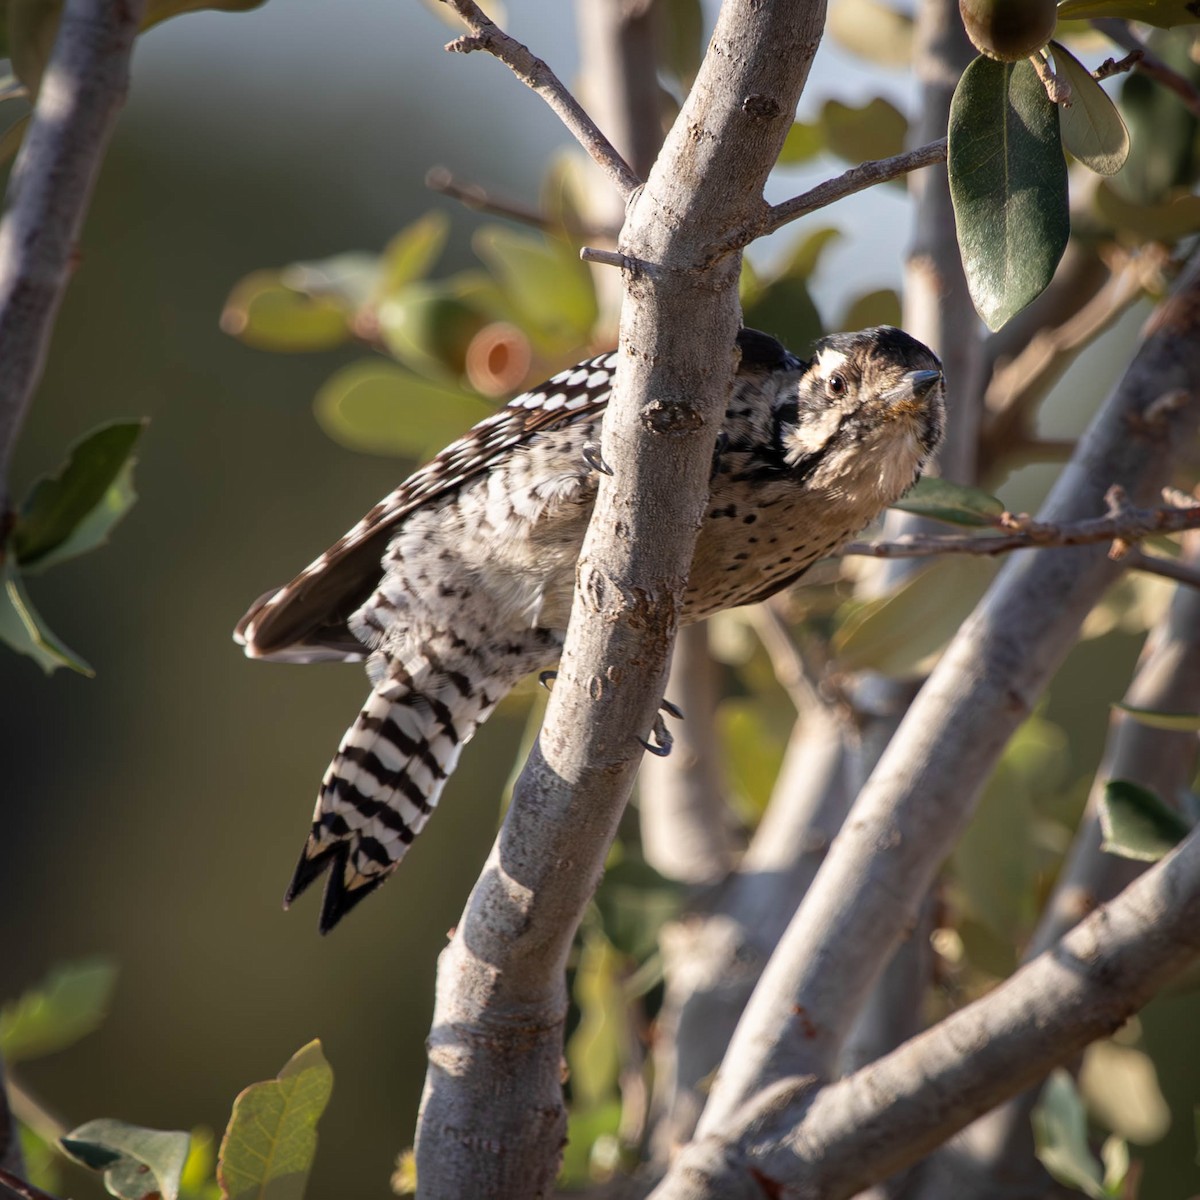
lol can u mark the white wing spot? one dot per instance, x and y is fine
(599, 378)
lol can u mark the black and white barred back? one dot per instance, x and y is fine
(459, 583)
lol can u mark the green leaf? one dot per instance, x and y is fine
(32, 27)
(1120, 1088)
(881, 307)
(265, 313)
(635, 901)
(874, 31)
(269, 1144)
(23, 630)
(1008, 183)
(71, 1002)
(588, 1129)
(753, 748)
(74, 510)
(803, 142)
(876, 130)
(953, 503)
(1060, 1136)
(1092, 129)
(898, 634)
(404, 1176)
(1180, 722)
(1176, 217)
(1162, 154)
(1164, 13)
(594, 1049)
(430, 326)
(1137, 823)
(11, 138)
(198, 1180)
(805, 255)
(136, 1162)
(410, 255)
(383, 409)
(350, 279)
(545, 281)
(784, 308)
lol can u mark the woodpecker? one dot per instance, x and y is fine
(459, 583)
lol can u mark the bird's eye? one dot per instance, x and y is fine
(836, 385)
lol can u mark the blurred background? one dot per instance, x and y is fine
(154, 814)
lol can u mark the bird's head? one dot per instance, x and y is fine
(869, 412)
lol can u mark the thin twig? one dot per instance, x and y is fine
(1058, 90)
(856, 179)
(1115, 66)
(479, 199)
(1150, 64)
(48, 193)
(1166, 568)
(1123, 525)
(18, 1187)
(534, 73)
(609, 258)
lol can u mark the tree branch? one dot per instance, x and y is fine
(1150, 64)
(535, 74)
(921, 794)
(857, 179)
(477, 198)
(48, 193)
(890, 1113)
(492, 1120)
(1123, 526)
(991, 1153)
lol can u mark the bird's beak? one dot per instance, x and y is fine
(908, 397)
(920, 382)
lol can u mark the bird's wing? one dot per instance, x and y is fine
(305, 620)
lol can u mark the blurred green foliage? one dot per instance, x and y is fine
(419, 357)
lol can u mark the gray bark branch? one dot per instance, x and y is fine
(1000, 1145)
(51, 184)
(492, 1119)
(921, 794)
(537, 76)
(827, 1144)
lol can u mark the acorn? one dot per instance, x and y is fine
(1009, 30)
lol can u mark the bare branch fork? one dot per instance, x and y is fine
(51, 184)
(773, 217)
(534, 73)
(1123, 525)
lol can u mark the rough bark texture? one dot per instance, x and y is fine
(827, 1144)
(922, 792)
(82, 90)
(492, 1118)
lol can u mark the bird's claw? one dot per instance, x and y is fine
(547, 678)
(591, 456)
(663, 741)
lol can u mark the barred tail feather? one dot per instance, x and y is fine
(389, 771)
(382, 787)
